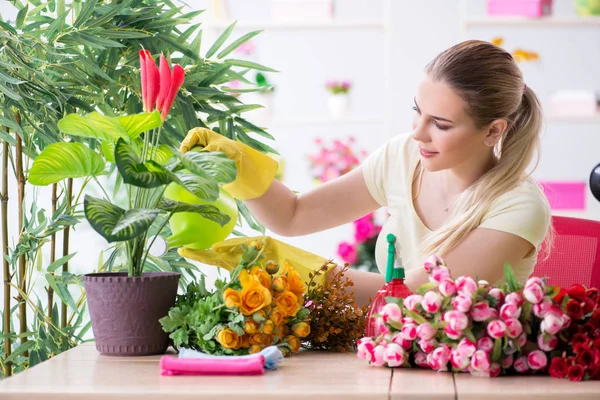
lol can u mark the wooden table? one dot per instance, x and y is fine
(81, 373)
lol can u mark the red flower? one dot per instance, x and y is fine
(575, 373)
(594, 372)
(577, 291)
(585, 357)
(558, 368)
(593, 294)
(588, 305)
(560, 295)
(574, 309)
(596, 343)
(159, 87)
(595, 319)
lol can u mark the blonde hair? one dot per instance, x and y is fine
(488, 79)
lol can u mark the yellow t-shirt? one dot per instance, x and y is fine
(389, 172)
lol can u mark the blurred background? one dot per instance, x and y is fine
(348, 70)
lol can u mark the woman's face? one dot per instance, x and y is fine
(446, 134)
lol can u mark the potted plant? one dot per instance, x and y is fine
(125, 306)
(339, 99)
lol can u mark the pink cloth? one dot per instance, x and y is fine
(170, 365)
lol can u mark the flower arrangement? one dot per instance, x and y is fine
(519, 54)
(338, 87)
(361, 252)
(468, 326)
(261, 305)
(332, 161)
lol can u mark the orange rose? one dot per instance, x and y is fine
(294, 279)
(277, 317)
(232, 298)
(268, 340)
(268, 327)
(254, 295)
(287, 303)
(263, 276)
(250, 326)
(301, 329)
(245, 341)
(293, 342)
(254, 349)
(271, 267)
(257, 339)
(228, 338)
(280, 284)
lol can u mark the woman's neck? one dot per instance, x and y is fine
(459, 178)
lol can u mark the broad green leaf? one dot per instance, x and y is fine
(509, 277)
(147, 174)
(135, 124)
(215, 164)
(248, 64)
(245, 213)
(206, 210)
(205, 188)
(93, 125)
(108, 150)
(60, 262)
(63, 160)
(220, 40)
(238, 43)
(114, 223)
(162, 154)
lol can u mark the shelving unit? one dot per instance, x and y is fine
(532, 22)
(298, 25)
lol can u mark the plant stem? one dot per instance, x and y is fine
(52, 252)
(65, 268)
(102, 188)
(166, 221)
(6, 265)
(22, 264)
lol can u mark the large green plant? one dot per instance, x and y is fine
(59, 58)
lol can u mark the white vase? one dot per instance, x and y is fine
(339, 105)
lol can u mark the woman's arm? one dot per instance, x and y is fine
(332, 204)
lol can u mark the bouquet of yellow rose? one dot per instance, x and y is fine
(261, 305)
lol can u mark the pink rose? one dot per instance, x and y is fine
(536, 281)
(391, 311)
(426, 331)
(438, 358)
(547, 342)
(364, 347)
(447, 287)
(496, 329)
(514, 298)
(513, 327)
(459, 361)
(348, 252)
(438, 274)
(457, 320)
(452, 333)
(421, 360)
(411, 302)
(497, 294)
(409, 331)
(481, 311)
(485, 344)
(520, 365)
(522, 340)
(507, 362)
(377, 357)
(399, 339)
(466, 286)
(462, 303)
(542, 308)
(495, 370)
(432, 302)
(537, 360)
(432, 262)
(510, 310)
(552, 323)
(466, 348)
(533, 293)
(480, 361)
(427, 345)
(364, 229)
(394, 355)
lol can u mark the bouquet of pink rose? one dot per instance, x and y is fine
(467, 326)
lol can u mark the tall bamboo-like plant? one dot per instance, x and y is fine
(57, 58)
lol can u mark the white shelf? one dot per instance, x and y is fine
(525, 21)
(333, 24)
(585, 119)
(309, 120)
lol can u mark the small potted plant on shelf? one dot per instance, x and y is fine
(125, 306)
(339, 98)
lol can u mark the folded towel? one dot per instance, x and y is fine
(170, 365)
(272, 356)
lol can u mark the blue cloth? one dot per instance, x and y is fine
(273, 356)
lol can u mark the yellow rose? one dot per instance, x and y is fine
(268, 340)
(254, 349)
(287, 303)
(285, 330)
(280, 284)
(257, 339)
(232, 298)
(271, 267)
(294, 343)
(228, 338)
(294, 279)
(263, 277)
(301, 329)
(250, 326)
(277, 317)
(254, 295)
(268, 327)
(245, 341)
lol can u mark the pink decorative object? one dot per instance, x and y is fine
(525, 8)
(170, 365)
(565, 195)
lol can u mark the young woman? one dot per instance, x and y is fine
(456, 186)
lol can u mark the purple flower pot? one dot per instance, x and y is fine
(125, 311)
